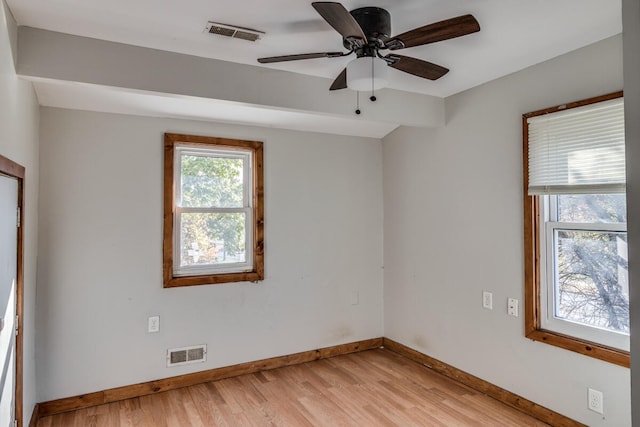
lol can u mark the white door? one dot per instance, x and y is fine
(8, 284)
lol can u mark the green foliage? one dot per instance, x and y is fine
(211, 182)
(211, 238)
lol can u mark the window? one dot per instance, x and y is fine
(576, 280)
(213, 211)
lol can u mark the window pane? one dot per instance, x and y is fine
(591, 283)
(212, 238)
(211, 182)
(611, 208)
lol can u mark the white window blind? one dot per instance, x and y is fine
(578, 151)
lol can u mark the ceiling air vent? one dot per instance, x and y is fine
(232, 31)
(186, 355)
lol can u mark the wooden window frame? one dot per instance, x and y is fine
(532, 273)
(17, 171)
(172, 140)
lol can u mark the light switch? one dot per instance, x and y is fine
(355, 298)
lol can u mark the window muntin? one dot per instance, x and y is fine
(213, 210)
(585, 291)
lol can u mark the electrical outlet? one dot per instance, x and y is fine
(153, 324)
(595, 401)
(512, 307)
(487, 300)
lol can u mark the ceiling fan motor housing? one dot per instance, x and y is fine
(375, 23)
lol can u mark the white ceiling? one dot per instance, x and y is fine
(514, 34)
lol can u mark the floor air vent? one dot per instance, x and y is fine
(235, 32)
(186, 355)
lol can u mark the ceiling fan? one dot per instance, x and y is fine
(366, 31)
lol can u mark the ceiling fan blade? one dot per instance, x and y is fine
(443, 30)
(417, 67)
(340, 82)
(300, 56)
(341, 20)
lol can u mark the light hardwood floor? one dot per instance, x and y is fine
(370, 388)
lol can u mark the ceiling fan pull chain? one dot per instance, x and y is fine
(357, 102)
(372, 97)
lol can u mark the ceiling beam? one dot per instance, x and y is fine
(51, 55)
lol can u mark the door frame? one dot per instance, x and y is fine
(14, 170)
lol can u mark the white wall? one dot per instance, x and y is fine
(19, 142)
(453, 227)
(100, 253)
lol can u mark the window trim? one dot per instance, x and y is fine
(170, 280)
(532, 272)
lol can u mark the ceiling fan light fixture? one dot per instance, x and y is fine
(365, 32)
(367, 73)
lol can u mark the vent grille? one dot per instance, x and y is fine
(221, 31)
(233, 31)
(244, 35)
(187, 355)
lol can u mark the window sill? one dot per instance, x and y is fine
(213, 279)
(587, 348)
